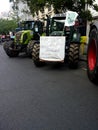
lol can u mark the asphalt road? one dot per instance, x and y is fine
(46, 98)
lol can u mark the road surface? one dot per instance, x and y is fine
(46, 98)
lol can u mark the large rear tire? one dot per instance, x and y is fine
(73, 56)
(9, 49)
(35, 55)
(92, 57)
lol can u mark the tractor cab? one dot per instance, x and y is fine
(57, 25)
(36, 26)
(27, 25)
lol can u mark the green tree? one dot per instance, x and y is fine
(7, 25)
(62, 5)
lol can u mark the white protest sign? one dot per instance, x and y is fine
(52, 48)
(70, 18)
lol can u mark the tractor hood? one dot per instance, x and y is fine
(18, 34)
(23, 36)
(57, 33)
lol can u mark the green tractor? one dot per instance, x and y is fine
(61, 45)
(24, 39)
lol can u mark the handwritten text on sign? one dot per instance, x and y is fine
(52, 48)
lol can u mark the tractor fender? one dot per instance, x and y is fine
(36, 42)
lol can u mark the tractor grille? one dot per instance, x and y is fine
(18, 36)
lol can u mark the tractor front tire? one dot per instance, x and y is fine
(35, 55)
(92, 57)
(73, 56)
(30, 48)
(9, 49)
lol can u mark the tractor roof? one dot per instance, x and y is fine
(63, 15)
(28, 21)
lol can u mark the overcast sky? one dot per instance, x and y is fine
(4, 5)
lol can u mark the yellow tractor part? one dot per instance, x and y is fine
(83, 41)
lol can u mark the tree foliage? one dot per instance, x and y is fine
(7, 25)
(62, 5)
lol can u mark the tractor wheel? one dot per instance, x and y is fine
(92, 56)
(30, 48)
(73, 56)
(8, 47)
(35, 55)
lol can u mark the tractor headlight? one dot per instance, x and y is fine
(74, 36)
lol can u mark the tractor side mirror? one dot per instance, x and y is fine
(36, 29)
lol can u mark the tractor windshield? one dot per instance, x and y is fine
(28, 25)
(57, 26)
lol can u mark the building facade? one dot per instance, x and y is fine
(46, 11)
